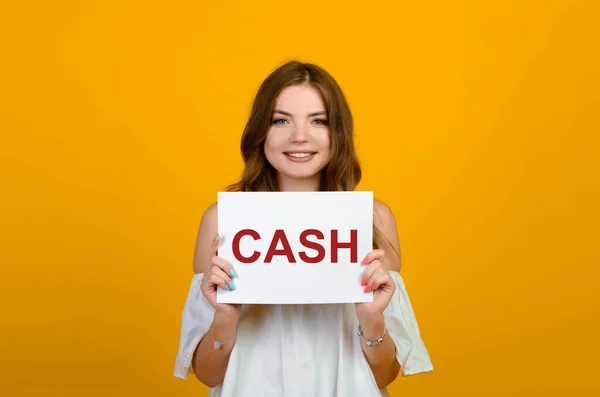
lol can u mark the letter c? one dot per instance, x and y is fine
(236, 246)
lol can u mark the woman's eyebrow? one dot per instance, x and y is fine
(282, 112)
(309, 115)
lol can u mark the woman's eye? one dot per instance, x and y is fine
(279, 121)
(320, 121)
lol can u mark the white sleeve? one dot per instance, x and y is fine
(196, 319)
(403, 328)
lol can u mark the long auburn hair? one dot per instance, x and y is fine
(342, 173)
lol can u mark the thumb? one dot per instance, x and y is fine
(214, 247)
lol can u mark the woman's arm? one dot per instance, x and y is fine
(210, 364)
(385, 221)
(381, 357)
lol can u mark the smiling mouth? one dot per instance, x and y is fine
(299, 155)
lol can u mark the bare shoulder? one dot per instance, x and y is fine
(385, 221)
(206, 233)
(383, 213)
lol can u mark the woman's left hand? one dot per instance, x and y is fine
(376, 277)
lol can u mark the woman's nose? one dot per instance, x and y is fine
(299, 133)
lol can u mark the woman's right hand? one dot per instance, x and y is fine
(219, 274)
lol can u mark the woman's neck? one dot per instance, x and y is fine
(287, 184)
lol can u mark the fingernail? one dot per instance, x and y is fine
(232, 285)
(233, 273)
(363, 282)
(226, 287)
(364, 262)
(216, 235)
(366, 289)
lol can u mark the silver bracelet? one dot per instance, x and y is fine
(217, 344)
(372, 342)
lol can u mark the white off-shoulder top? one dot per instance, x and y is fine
(301, 350)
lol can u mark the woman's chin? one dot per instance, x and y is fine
(304, 175)
(300, 177)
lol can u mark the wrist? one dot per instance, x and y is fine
(373, 326)
(223, 329)
(224, 317)
(368, 310)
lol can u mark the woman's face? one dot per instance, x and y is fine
(298, 143)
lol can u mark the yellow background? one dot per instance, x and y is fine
(477, 122)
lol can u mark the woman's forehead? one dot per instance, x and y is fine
(300, 99)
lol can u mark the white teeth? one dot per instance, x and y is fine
(299, 155)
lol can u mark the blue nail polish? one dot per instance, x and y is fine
(216, 235)
(226, 287)
(233, 273)
(232, 285)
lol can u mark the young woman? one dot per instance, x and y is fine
(299, 137)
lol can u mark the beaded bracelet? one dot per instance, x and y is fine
(371, 343)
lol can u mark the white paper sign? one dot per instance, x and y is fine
(295, 247)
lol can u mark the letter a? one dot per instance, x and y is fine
(287, 250)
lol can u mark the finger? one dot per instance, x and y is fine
(224, 265)
(217, 280)
(385, 284)
(379, 278)
(373, 255)
(215, 245)
(221, 274)
(376, 264)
